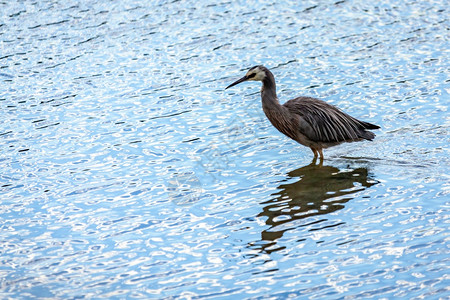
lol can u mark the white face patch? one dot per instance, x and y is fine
(259, 74)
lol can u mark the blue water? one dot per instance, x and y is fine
(128, 171)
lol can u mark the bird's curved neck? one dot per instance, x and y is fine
(269, 91)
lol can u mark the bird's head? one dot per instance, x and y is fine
(256, 73)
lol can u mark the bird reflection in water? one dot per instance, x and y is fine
(318, 190)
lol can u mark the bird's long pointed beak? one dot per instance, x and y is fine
(238, 81)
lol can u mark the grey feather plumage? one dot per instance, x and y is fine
(322, 122)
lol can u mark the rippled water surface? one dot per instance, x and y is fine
(128, 172)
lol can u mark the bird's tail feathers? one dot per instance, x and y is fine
(367, 135)
(367, 125)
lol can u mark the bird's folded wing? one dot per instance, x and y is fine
(322, 122)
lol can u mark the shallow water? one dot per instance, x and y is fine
(128, 171)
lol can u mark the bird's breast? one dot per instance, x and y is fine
(283, 121)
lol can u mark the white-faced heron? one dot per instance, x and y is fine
(309, 121)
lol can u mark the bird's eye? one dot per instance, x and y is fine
(251, 75)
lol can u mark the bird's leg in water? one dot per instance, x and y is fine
(314, 162)
(321, 154)
(318, 153)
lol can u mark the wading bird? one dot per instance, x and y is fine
(309, 121)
